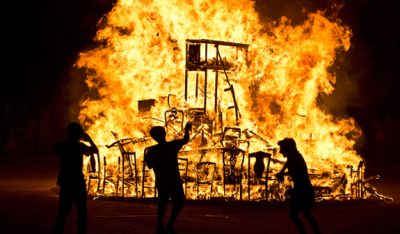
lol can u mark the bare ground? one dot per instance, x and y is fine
(28, 204)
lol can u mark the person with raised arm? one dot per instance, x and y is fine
(163, 158)
(70, 177)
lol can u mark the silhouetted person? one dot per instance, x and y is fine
(163, 158)
(302, 194)
(70, 178)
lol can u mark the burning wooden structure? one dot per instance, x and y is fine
(219, 161)
(241, 97)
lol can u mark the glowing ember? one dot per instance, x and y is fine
(138, 71)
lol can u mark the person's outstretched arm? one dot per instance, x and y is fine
(93, 148)
(281, 174)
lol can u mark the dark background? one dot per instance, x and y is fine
(40, 42)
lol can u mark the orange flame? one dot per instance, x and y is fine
(141, 55)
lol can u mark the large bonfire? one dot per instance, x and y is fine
(277, 81)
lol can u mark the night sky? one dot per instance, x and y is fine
(41, 40)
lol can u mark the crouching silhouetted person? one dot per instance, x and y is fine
(163, 158)
(302, 194)
(70, 178)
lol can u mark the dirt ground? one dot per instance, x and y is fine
(28, 204)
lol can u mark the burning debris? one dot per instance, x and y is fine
(218, 156)
(241, 98)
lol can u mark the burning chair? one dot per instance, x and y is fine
(203, 67)
(174, 118)
(232, 166)
(94, 171)
(128, 173)
(357, 177)
(183, 165)
(361, 187)
(205, 172)
(107, 178)
(148, 179)
(197, 62)
(262, 173)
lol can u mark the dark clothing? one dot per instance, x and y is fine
(301, 200)
(297, 169)
(177, 195)
(70, 195)
(72, 183)
(177, 198)
(163, 158)
(70, 155)
(302, 194)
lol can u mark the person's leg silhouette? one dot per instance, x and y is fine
(294, 216)
(163, 196)
(312, 221)
(178, 201)
(81, 207)
(64, 208)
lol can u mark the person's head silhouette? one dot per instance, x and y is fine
(74, 131)
(287, 146)
(158, 133)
